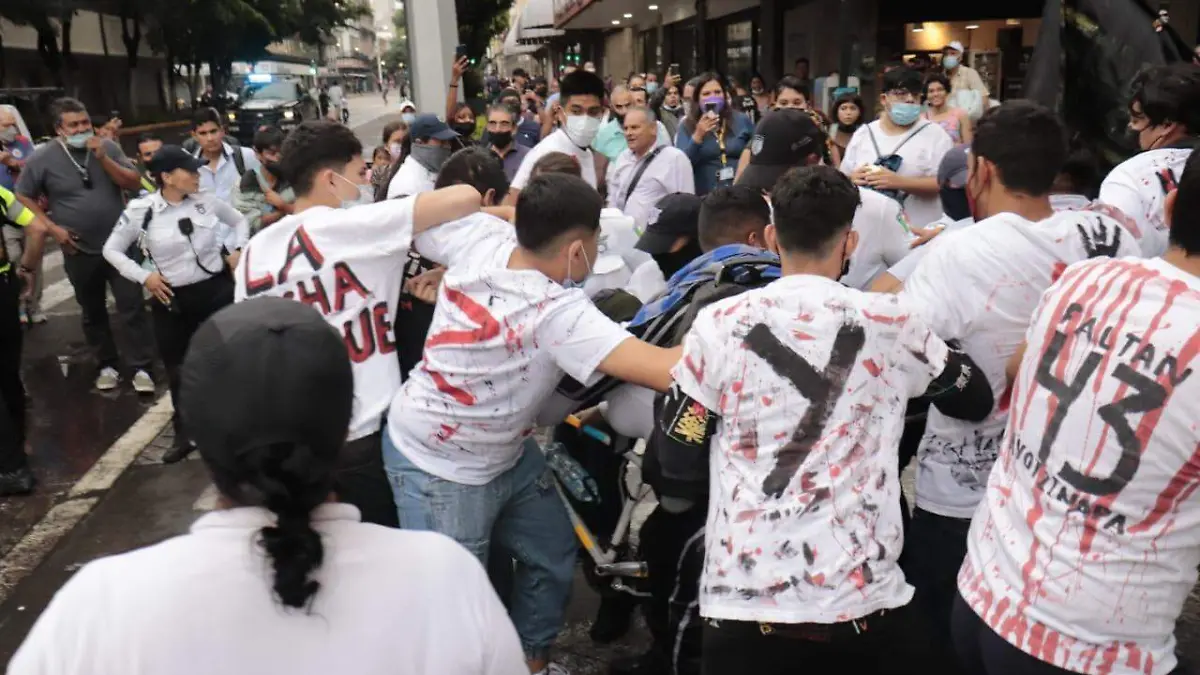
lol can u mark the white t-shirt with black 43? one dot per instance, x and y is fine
(347, 264)
(498, 345)
(1138, 187)
(810, 381)
(1089, 538)
(979, 286)
(923, 147)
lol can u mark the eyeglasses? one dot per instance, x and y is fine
(903, 95)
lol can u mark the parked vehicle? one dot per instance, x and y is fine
(282, 103)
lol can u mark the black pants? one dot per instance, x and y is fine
(360, 480)
(12, 392)
(672, 544)
(174, 327)
(885, 643)
(982, 652)
(933, 554)
(90, 275)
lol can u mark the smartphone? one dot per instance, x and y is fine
(710, 107)
(460, 52)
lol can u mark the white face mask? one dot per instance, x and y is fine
(571, 283)
(581, 129)
(394, 150)
(408, 118)
(8, 134)
(365, 195)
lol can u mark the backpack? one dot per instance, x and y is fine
(664, 320)
(239, 160)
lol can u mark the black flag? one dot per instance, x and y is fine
(1084, 68)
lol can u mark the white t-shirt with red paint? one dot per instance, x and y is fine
(1089, 538)
(810, 381)
(498, 345)
(346, 263)
(979, 286)
(1139, 186)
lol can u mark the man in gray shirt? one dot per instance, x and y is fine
(82, 176)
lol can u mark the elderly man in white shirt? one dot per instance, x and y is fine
(648, 171)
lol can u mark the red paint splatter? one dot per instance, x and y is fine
(446, 432)
(766, 400)
(873, 368)
(738, 386)
(801, 335)
(856, 577)
(488, 327)
(445, 387)
(886, 320)
(804, 316)
(1057, 272)
(697, 371)
(1006, 398)
(835, 471)
(747, 515)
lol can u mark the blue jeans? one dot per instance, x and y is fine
(520, 513)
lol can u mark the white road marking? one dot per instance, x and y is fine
(56, 294)
(121, 454)
(39, 541)
(208, 500)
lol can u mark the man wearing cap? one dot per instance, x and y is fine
(786, 139)
(430, 149)
(671, 238)
(966, 86)
(649, 169)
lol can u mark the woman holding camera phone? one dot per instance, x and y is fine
(185, 243)
(713, 134)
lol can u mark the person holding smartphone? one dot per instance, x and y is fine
(713, 134)
(186, 242)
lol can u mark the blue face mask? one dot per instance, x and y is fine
(79, 140)
(571, 283)
(651, 87)
(904, 114)
(950, 62)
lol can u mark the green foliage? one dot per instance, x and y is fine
(479, 21)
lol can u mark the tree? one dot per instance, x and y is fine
(397, 52)
(48, 18)
(479, 21)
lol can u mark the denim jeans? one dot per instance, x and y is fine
(519, 512)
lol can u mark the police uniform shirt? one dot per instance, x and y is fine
(215, 224)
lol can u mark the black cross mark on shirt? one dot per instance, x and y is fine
(821, 388)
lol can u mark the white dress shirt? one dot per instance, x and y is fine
(668, 172)
(180, 260)
(411, 179)
(390, 601)
(224, 181)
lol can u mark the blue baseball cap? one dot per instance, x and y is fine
(429, 126)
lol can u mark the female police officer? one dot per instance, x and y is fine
(185, 243)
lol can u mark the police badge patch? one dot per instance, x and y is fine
(756, 144)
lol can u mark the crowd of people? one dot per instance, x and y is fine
(788, 307)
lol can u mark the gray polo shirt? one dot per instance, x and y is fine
(90, 214)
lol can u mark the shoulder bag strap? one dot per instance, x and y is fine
(637, 176)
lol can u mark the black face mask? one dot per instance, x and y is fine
(670, 263)
(272, 168)
(954, 203)
(542, 92)
(501, 139)
(463, 129)
(848, 128)
(620, 119)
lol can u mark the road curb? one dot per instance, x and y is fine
(40, 540)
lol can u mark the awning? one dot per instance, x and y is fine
(511, 48)
(536, 23)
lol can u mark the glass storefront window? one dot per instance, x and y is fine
(739, 51)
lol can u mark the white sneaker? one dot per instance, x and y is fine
(108, 380)
(143, 383)
(37, 317)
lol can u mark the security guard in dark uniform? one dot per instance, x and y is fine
(180, 244)
(15, 476)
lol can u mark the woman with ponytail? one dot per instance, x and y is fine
(281, 578)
